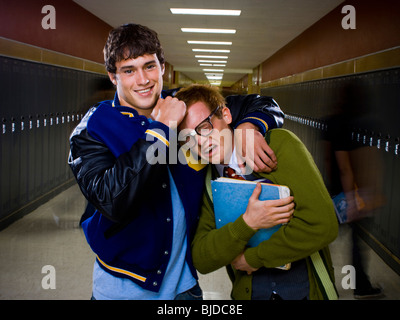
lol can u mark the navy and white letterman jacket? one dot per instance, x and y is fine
(131, 230)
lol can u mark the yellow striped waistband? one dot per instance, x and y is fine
(125, 272)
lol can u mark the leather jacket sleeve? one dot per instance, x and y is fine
(263, 111)
(114, 184)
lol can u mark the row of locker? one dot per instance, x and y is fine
(361, 136)
(14, 125)
(372, 111)
(41, 105)
(33, 157)
(371, 97)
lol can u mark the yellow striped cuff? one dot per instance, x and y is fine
(158, 136)
(258, 119)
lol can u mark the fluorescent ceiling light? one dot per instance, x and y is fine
(219, 65)
(214, 77)
(204, 30)
(215, 83)
(211, 50)
(212, 57)
(213, 61)
(213, 12)
(214, 70)
(206, 64)
(221, 43)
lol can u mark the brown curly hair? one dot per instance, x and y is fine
(130, 41)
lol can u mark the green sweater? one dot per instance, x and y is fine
(312, 228)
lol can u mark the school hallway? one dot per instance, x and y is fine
(51, 236)
(333, 73)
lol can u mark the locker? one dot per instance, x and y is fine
(15, 158)
(31, 150)
(24, 161)
(5, 167)
(37, 155)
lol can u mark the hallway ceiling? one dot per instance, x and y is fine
(263, 27)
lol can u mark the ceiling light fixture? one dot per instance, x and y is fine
(211, 50)
(205, 30)
(211, 57)
(213, 61)
(214, 70)
(213, 12)
(221, 43)
(215, 83)
(214, 77)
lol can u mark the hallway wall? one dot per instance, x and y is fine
(326, 42)
(326, 49)
(78, 32)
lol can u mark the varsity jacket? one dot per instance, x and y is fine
(120, 161)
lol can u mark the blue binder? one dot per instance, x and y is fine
(231, 196)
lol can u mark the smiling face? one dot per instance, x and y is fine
(216, 147)
(139, 82)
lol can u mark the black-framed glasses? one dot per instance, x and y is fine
(205, 127)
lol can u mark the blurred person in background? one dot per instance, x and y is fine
(355, 172)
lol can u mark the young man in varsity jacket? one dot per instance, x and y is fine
(123, 155)
(306, 230)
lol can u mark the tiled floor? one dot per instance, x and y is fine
(51, 236)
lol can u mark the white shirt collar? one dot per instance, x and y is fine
(233, 163)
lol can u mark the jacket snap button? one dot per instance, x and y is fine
(159, 271)
(164, 185)
(168, 219)
(166, 252)
(155, 283)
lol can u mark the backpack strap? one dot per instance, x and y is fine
(327, 286)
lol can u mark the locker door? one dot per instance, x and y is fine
(15, 164)
(5, 168)
(24, 160)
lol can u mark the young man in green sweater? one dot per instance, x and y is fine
(303, 238)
